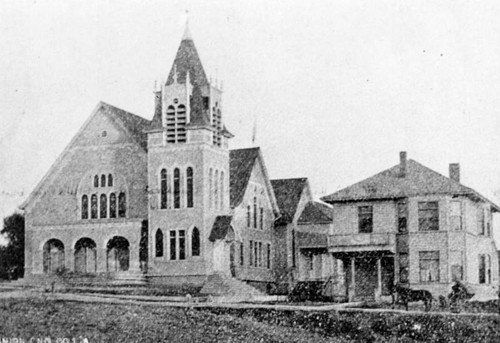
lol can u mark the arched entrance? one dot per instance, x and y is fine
(118, 254)
(53, 256)
(223, 253)
(85, 256)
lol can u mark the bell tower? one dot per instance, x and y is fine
(188, 168)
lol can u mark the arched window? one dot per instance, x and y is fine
(96, 181)
(189, 186)
(85, 207)
(181, 124)
(254, 212)
(93, 206)
(210, 195)
(103, 180)
(222, 189)
(195, 242)
(170, 124)
(216, 190)
(104, 206)
(159, 243)
(122, 205)
(112, 205)
(110, 180)
(177, 188)
(163, 189)
(248, 216)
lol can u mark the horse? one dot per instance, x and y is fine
(407, 295)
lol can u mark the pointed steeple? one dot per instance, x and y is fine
(187, 32)
(187, 59)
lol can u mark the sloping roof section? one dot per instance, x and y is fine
(156, 122)
(187, 59)
(199, 116)
(288, 193)
(315, 213)
(222, 226)
(134, 124)
(240, 166)
(418, 180)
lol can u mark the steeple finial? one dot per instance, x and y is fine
(187, 32)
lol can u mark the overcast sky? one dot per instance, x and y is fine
(337, 88)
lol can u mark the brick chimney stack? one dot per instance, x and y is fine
(402, 164)
(455, 172)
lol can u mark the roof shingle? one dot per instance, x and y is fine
(240, 168)
(316, 213)
(288, 193)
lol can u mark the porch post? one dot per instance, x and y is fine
(352, 286)
(378, 291)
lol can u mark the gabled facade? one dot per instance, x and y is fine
(411, 225)
(164, 198)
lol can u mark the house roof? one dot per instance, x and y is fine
(241, 164)
(288, 193)
(418, 180)
(315, 213)
(222, 226)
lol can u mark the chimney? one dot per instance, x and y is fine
(455, 172)
(402, 164)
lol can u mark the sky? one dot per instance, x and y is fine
(335, 88)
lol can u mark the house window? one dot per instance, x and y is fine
(456, 216)
(428, 216)
(159, 243)
(250, 253)
(260, 254)
(365, 219)
(429, 266)
(242, 254)
(248, 216)
(308, 261)
(96, 181)
(104, 206)
(93, 206)
(110, 180)
(163, 189)
(482, 222)
(268, 256)
(261, 218)
(112, 205)
(293, 248)
(195, 242)
(254, 212)
(402, 216)
(85, 207)
(488, 268)
(404, 264)
(178, 245)
(177, 188)
(482, 268)
(189, 186)
(103, 180)
(122, 205)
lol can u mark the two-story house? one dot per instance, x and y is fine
(412, 225)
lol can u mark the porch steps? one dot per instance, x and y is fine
(223, 286)
(129, 279)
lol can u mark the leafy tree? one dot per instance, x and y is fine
(12, 255)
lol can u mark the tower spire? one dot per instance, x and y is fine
(187, 32)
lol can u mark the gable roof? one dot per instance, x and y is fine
(222, 225)
(288, 193)
(241, 163)
(131, 123)
(316, 213)
(419, 180)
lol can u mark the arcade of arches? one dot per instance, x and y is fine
(85, 256)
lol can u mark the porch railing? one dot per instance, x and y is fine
(362, 242)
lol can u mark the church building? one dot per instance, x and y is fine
(163, 200)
